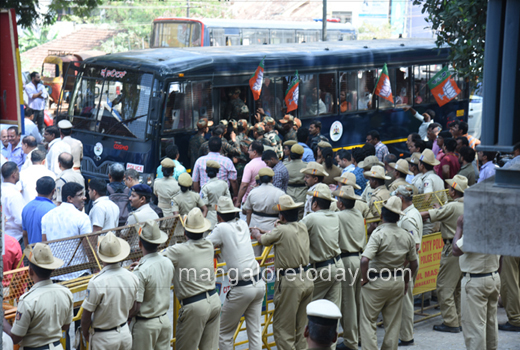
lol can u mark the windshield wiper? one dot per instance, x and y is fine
(121, 122)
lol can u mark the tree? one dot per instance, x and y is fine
(460, 24)
(31, 39)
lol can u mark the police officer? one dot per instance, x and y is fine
(194, 285)
(33, 327)
(293, 288)
(166, 187)
(413, 166)
(272, 136)
(412, 222)
(198, 139)
(366, 165)
(349, 179)
(287, 151)
(383, 281)
(401, 169)
(314, 174)
(140, 201)
(296, 188)
(213, 190)
(247, 287)
(186, 200)
(260, 202)
(151, 329)
(510, 291)
(321, 330)
(110, 296)
(449, 277)
(76, 146)
(480, 293)
(429, 180)
(322, 225)
(376, 177)
(352, 241)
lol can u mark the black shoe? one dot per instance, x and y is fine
(342, 346)
(447, 329)
(405, 343)
(508, 327)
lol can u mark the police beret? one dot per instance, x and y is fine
(142, 188)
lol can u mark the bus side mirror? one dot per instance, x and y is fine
(155, 108)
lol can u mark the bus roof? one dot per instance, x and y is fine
(302, 57)
(226, 23)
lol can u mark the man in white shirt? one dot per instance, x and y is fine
(37, 94)
(56, 147)
(12, 202)
(104, 214)
(76, 146)
(28, 146)
(316, 105)
(65, 161)
(32, 174)
(426, 118)
(67, 221)
(31, 128)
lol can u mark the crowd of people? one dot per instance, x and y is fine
(280, 184)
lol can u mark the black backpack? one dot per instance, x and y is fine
(120, 196)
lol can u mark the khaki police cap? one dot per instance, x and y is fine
(414, 158)
(286, 202)
(346, 192)
(167, 163)
(321, 191)
(325, 310)
(257, 177)
(269, 121)
(212, 164)
(185, 180)
(151, 233)
(112, 249)
(195, 222)
(394, 204)
(315, 169)
(290, 143)
(225, 206)
(296, 148)
(401, 166)
(370, 161)
(458, 183)
(324, 144)
(41, 256)
(403, 190)
(64, 124)
(287, 118)
(428, 157)
(349, 179)
(377, 172)
(266, 172)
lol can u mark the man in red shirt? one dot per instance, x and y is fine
(11, 258)
(450, 165)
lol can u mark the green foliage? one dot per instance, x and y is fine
(460, 24)
(30, 39)
(369, 31)
(28, 10)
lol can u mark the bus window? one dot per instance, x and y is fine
(202, 106)
(177, 34)
(312, 105)
(348, 91)
(384, 103)
(327, 89)
(232, 100)
(334, 35)
(289, 36)
(403, 86)
(178, 112)
(269, 101)
(307, 36)
(195, 38)
(255, 36)
(50, 70)
(217, 37)
(276, 36)
(366, 83)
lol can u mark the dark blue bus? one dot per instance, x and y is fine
(127, 107)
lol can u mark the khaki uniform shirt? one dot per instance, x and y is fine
(431, 182)
(322, 226)
(468, 171)
(401, 182)
(379, 194)
(477, 262)
(417, 183)
(262, 199)
(234, 240)
(194, 269)
(388, 247)
(308, 201)
(155, 275)
(76, 149)
(448, 215)
(186, 201)
(165, 189)
(291, 242)
(110, 296)
(361, 206)
(367, 193)
(352, 236)
(67, 176)
(412, 222)
(41, 313)
(212, 191)
(142, 214)
(296, 178)
(333, 172)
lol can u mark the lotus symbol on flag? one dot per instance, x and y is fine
(449, 91)
(386, 90)
(258, 83)
(294, 97)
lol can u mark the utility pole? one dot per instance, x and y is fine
(324, 28)
(188, 8)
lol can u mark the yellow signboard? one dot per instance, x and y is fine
(460, 113)
(429, 262)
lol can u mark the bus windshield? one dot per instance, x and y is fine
(177, 34)
(112, 102)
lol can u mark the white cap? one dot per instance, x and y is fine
(64, 124)
(323, 308)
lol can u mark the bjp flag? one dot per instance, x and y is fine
(443, 88)
(257, 80)
(291, 95)
(383, 87)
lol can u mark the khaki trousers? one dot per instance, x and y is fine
(479, 303)
(448, 287)
(292, 293)
(350, 289)
(325, 284)
(384, 297)
(247, 301)
(198, 325)
(407, 319)
(510, 289)
(152, 334)
(119, 339)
